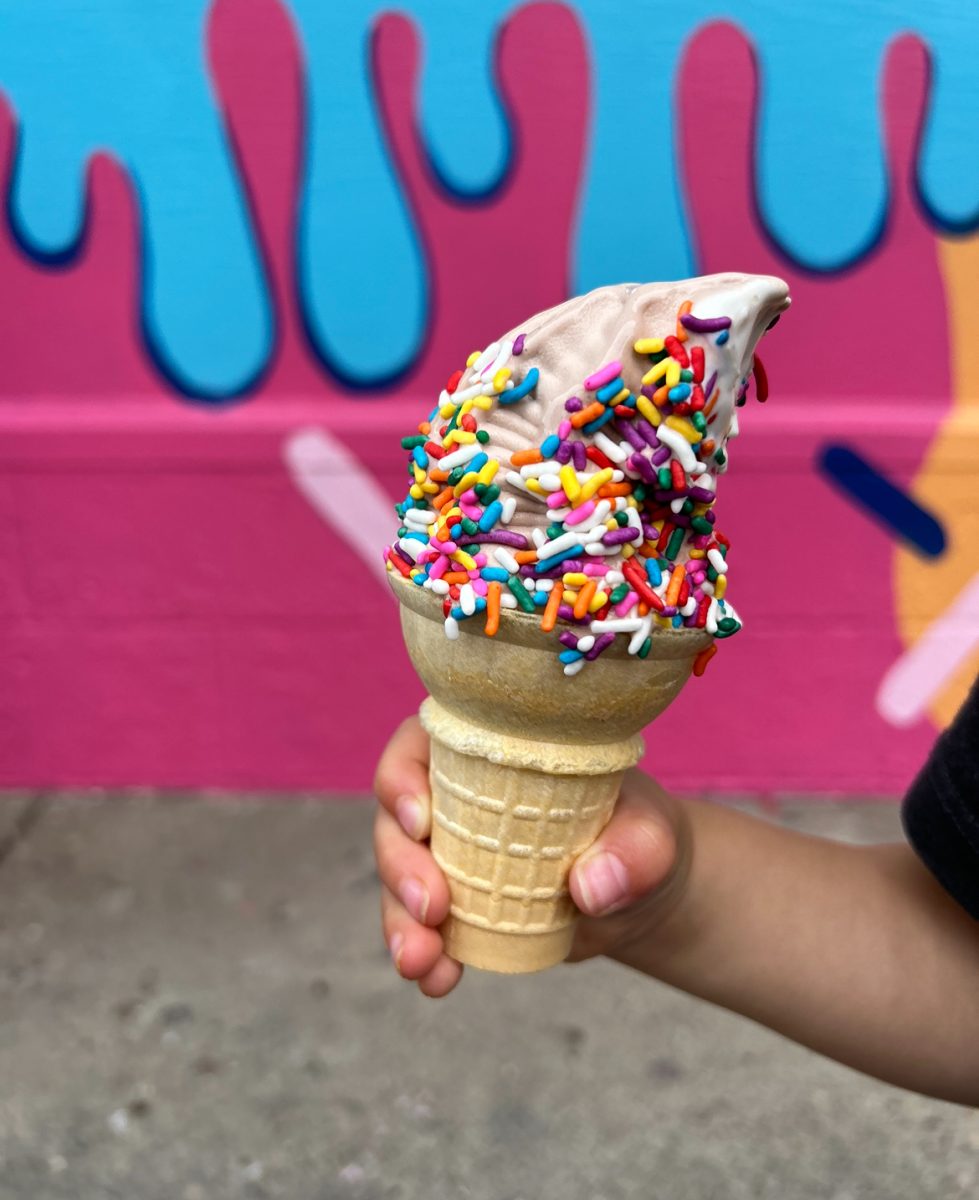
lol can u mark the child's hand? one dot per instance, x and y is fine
(624, 884)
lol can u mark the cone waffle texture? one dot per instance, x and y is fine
(526, 766)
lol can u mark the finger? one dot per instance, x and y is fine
(414, 949)
(409, 871)
(634, 854)
(401, 781)
(442, 978)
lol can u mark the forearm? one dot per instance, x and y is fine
(855, 952)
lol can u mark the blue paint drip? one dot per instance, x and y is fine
(887, 503)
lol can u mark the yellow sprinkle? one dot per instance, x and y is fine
(574, 579)
(720, 587)
(569, 481)
(698, 553)
(672, 372)
(628, 550)
(464, 437)
(449, 440)
(648, 346)
(447, 410)
(649, 410)
(611, 524)
(592, 484)
(657, 372)
(483, 402)
(535, 487)
(631, 502)
(429, 488)
(685, 429)
(620, 398)
(489, 471)
(466, 406)
(663, 622)
(387, 563)
(599, 600)
(569, 597)
(415, 571)
(420, 475)
(470, 479)
(415, 492)
(465, 560)
(500, 378)
(473, 357)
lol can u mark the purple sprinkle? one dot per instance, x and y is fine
(701, 495)
(573, 404)
(569, 639)
(648, 390)
(647, 431)
(664, 497)
(618, 537)
(650, 531)
(628, 431)
(566, 613)
(563, 454)
(401, 554)
(710, 385)
(704, 324)
(670, 611)
(710, 516)
(602, 642)
(680, 519)
(642, 466)
(503, 537)
(661, 456)
(518, 343)
(580, 455)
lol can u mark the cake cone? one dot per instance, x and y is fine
(526, 765)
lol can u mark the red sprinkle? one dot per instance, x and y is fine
(637, 578)
(397, 561)
(703, 658)
(697, 399)
(468, 423)
(621, 410)
(675, 350)
(702, 608)
(679, 479)
(453, 382)
(761, 380)
(597, 456)
(665, 536)
(697, 363)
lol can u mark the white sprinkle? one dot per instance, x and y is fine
(412, 547)
(532, 470)
(544, 585)
(707, 588)
(438, 586)
(711, 625)
(467, 599)
(616, 451)
(468, 393)
(600, 548)
(509, 508)
(689, 608)
(735, 428)
(716, 560)
(677, 504)
(484, 360)
(420, 516)
(516, 481)
(451, 628)
(585, 643)
(564, 541)
(682, 450)
(506, 560)
(550, 483)
(508, 600)
(618, 476)
(621, 625)
(574, 667)
(614, 578)
(539, 537)
(598, 517)
(637, 639)
(460, 456)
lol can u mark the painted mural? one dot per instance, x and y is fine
(245, 242)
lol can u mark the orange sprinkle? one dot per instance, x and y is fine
(549, 618)
(642, 608)
(585, 597)
(676, 583)
(661, 395)
(614, 489)
(703, 658)
(437, 476)
(587, 414)
(523, 458)
(492, 609)
(707, 446)
(451, 577)
(443, 498)
(425, 427)
(525, 556)
(681, 333)
(709, 407)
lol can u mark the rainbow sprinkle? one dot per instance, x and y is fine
(627, 544)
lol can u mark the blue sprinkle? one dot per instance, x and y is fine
(461, 616)
(455, 531)
(494, 574)
(550, 446)
(606, 393)
(570, 656)
(547, 563)
(416, 537)
(722, 337)
(527, 384)
(677, 621)
(419, 579)
(592, 426)
(653, 572)
(680, 392)
(477, 462)
(420, 457)
(491, 514)
(540, 598)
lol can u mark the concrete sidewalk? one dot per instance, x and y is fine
(195, 1003)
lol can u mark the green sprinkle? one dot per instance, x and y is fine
(664, 477)
(480, 491)
(686, 376)
(733, 628)
(554, 531)
(687, 508)
(720, 458)
(491, 493)
(469, 526)
(522, 595)
(402, 531)
(482, 436)
(645, 648)
(701, 525)
(699, 422)
(409, 443)
(619, 593)
(674, 544)
(639, 492)
(711, 574)
(455, 420)
(455, 475)
(621, 519)
(659, 356)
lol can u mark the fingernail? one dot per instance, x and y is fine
(414, 896)
(603, 882)
(396, 945)
(411, 816)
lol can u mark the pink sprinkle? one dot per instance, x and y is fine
(480, 559)
(580, 513)
(472, 511)
(698, 595)
(439, 569)
(594, 568)
(625, 606)
(564, 429)
(701, 541)
(469, 497)
(604, 375)
(445, 547)
(479, 586)
(557, 499)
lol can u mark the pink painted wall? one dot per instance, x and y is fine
(181, 600)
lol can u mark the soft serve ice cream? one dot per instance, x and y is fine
(570, 470)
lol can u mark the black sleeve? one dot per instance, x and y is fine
(941, 811)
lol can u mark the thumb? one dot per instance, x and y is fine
(635, 853)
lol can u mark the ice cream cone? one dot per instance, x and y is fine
(525, 769)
